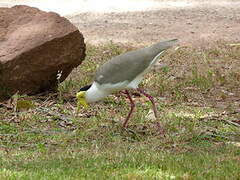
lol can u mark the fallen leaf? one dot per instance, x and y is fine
(24, 105)
(150, 115)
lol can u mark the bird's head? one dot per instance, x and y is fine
(81, 97)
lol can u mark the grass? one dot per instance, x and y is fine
(197, 134)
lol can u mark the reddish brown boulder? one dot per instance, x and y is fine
(34, 46)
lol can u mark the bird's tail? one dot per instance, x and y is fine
(164, 45)
(172, 42)
(159, 48)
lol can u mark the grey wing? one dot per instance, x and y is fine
(122, 68)
(127, 66)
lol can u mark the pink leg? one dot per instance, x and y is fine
(150, 98)
(125, 124)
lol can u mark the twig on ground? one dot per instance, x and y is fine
(220, 118)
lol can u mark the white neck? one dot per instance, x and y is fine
(95, 93)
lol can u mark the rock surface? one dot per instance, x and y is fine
(34, 47)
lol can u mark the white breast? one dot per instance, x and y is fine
(97, 92)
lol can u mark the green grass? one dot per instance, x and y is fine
(197, 134)
(124, 161)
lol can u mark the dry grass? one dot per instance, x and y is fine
(195, 136)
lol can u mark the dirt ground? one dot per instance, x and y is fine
(139, 22)
(199, 25)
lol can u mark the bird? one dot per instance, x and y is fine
(123, 73)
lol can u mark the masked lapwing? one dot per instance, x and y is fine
(122, 73)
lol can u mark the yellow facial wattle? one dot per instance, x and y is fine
(81, 100)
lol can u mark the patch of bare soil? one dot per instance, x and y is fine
(194, 26)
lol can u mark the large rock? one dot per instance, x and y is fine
(34, 46)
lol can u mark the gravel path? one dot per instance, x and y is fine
(197, 26)
(138, 22)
